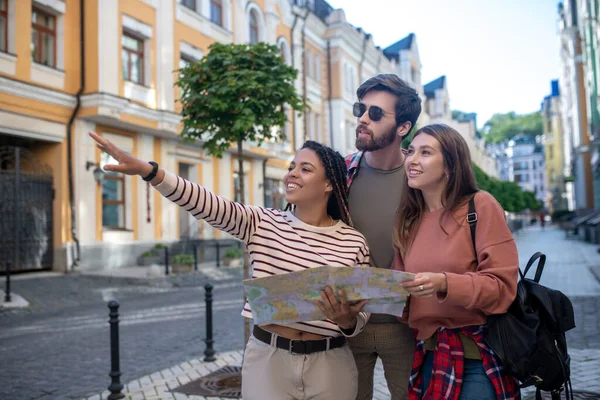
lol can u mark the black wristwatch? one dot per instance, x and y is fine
(153, 173)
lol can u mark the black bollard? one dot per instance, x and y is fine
(115, 373)
(209, 353)
(218, 254)
(166, 261)
(195, 258)
(7, 298)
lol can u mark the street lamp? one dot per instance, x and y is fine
(98, 172)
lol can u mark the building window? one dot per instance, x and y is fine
(216, 12)
(191, 4)
(283, 52)
(253, 27)
(316, 72)
(521, 178)
(521, 165)
(4, 25)
(274, 194)
(43, 37)
(308, 65)
(185, 61)
(132, 54)
(113, 198)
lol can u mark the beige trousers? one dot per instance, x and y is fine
(395, 345)
(269, 373)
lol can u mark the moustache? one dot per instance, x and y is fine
(363, 127)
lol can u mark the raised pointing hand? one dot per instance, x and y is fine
(128, 164)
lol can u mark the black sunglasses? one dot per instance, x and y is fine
(375, 112)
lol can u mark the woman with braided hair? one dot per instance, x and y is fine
(306, 359)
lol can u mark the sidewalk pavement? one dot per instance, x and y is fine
(153, 276)
(567, 269)
(158, 386)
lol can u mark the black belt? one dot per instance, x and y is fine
(295, 346)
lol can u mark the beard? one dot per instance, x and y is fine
(373, 143)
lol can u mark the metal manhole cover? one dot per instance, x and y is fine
(224, 382)
(577, 395)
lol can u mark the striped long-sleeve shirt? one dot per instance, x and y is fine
(277, 241)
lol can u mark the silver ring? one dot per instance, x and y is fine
(421, 288)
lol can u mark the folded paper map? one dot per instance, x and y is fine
(293, 297)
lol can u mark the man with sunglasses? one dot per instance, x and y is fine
(387, 110)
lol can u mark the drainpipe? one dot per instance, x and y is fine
(70, 130)
(330, 93)
(304, 71)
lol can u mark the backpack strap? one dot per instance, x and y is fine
(540, 266)
(472, 220)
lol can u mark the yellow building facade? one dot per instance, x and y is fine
(68, 67)
(556, 181)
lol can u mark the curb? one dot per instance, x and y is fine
(595, 270)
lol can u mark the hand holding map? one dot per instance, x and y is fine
(293, 297)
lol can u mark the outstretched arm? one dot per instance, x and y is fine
(236, 219)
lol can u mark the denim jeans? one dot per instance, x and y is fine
(476, 384)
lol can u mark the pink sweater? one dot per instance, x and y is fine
(476, 287)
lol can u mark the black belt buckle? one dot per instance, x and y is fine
(298, 347)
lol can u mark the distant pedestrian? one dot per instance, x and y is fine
(542, 219)
(307, 359)
(454, 289)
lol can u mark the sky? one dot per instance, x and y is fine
(497, 55)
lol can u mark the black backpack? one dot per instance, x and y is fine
(529, 339)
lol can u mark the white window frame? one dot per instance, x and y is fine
(286, 49)
(197, 5)
(56, 8)
(144, 32)
(260, 21)
(8, 59)
(11, 28)
(140, 92)
(190, 51)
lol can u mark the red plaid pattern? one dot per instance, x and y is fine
(448, 368)
(352, 163)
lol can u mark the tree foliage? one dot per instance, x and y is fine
(509, 194)
(502, 127)
(236, 93)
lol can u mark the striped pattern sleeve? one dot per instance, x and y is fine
(363, 257)
(234, 218)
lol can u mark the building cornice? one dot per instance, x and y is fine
(33, 92)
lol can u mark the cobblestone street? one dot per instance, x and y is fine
(59, 348)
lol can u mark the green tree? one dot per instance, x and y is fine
(509, 194)
(406, 141)
(502, 127)
(237, 93)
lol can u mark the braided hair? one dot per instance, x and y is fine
(336, 173)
